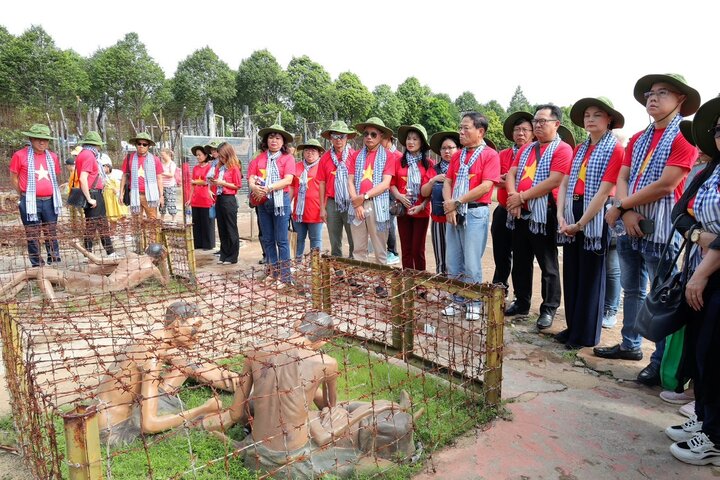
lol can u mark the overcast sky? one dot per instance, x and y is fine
(556, 51)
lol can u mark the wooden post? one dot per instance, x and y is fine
(326, 286)
(396, 311)
(408, 317)
(492, 381)
(82, 436)
(316, 280)
(190, 247)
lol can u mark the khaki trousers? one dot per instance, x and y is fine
(368, 229)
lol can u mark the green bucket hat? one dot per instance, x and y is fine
(374, 122)
(577, 112)
(338, 126)
(706, 118)
(566, 135)
(312, 143)
(287, 136)
(509, 123)
(39, 131)
(438, 138)
(92, 138)
(210, 145)
(691, 103)
(415, 127)
(142, 136)
(195, 148)
(686, 130)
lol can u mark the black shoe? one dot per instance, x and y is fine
(617, 353)
(563, 336)
(514, 309)
(649, 375)
(381, 292)
(545, 320)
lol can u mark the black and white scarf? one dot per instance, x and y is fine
(342, 195)
(152, 193)
(31, 191)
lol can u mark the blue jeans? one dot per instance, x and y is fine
(636, 270)
(47, 224)
(303, 229)
(612, 281)
(465, 246)
(275, 237)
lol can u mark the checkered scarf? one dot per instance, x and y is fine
(342, 195)
(596, 167)
(96, 152)
(380, 202)
(302, 191)
(221, 176)
(538, 206)
(31, 192)
(274, 177)
(152, 193)
(707, 211)
(462, 179)
(661, 209)
(414, 178)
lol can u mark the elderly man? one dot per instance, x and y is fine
(140, 170)
(34, 172)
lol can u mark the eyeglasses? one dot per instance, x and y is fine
(540, 122)
(661, 93)
(715, 130)
(370, 134)
(521, 130)
(448, 148)
(142, 144)
(338, 136)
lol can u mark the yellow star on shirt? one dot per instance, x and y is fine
(529, 172)
(583, 172)
(262, 173)
(471, 175)
(404, 179)
(367, 173)
(42, 173)
(141, 172)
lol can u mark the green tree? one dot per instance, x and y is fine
(388, 107)
(200, 77)
(578, 132)
(261, 81)
(415, 97)
(354, 100)
(495, 130)
(440, 114)
(518, 102)
(312, 93)
(467, 102)
(494, 106)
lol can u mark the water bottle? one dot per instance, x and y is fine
(619, 229)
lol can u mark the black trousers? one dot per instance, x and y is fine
(502, 246)
(96, 223)
(226, 208)
(528, 245)
(203, 228)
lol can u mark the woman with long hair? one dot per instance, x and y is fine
(226, 183)
(201, 200)
(169, 166)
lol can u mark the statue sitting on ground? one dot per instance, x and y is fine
(101, 275)
(138, 394)
(278, 386)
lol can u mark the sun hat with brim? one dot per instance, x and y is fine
(686, 130)
(92, 138)
(39, 131)
(195, 148)
(577, 112)
(76, 151)
(566, 135)
(338, 126)
(287, 136)
(509, 123)
(312, 143)
(438, 138)
(706, 118)
(691, 103)
(374, 122)
(142, 136)
(490, 143)
(403, 131)
(212, 144)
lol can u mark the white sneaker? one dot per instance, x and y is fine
(112, 256)
(451, 310)
(699, 450)
(392, 259)
(609, 320)
(688, 410)
(686, 431)
(473, 311)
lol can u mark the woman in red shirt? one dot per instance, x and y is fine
(201, 199)
(226, 183)
(411, 173)
(306, 193)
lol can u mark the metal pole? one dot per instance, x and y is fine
(492, 380)
(82, 436)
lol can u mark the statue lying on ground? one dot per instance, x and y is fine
(139, 392)
(278, 386)
(101, 275)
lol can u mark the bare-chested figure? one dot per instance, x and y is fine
(282, 381)
(101, 275)
(138, 393)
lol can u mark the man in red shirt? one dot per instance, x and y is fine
(392, 253)
(141, 169)
(518, 129)
(33, 172)
(651, 180)
(532, 183)
(467, 193)
(332, 182)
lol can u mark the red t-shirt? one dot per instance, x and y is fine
(43, 184)
(682, 155)
(611, 172)
(487, 167)
(561, 162)
(327, 171)
(127, 167)
(366, 184)
(232, 175)
(506, 159)
(201, 193)
(400, 181)
(86, 162)
(312, 195)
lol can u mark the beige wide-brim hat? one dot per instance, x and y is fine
(577, 112)
(374, 122)
(276, 128)
(509, 123)
(338, 126)
(691, 103)
(706, 118)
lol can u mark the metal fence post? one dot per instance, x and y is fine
(82, 436)
(492, 381)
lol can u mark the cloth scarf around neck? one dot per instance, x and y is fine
(707, 211)
(596, 166)
(96, 152)
(274, 177)
(152, 192)
(31, 191)
(414, 178)
(381, 202)
(342, 195)
(462, 179)
(302, 190)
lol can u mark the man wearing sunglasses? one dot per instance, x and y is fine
(651, 180)
(140, 169)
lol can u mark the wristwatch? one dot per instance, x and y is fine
(366, 196)
(695, 234)
(457, 204)
(617, 203)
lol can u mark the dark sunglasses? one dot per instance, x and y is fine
(139, 144)
(370, 134)
(715, 130)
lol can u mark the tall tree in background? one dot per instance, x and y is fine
(312, 93)
(440, 114)
(388, 107)
(263, 86)
(578, 132)
(415, 97)
(467, 102)
(354, 100)
(519, 103)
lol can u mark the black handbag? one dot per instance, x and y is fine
(397, 209)
(126, 190)
(663, 311)
(76, 197)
